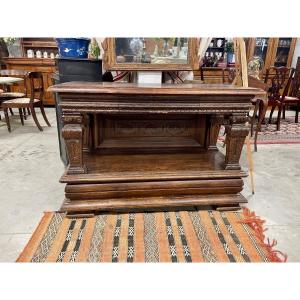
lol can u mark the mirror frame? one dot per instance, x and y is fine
(110, 63)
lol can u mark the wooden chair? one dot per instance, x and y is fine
(280, 85)
(260, 108)
(293, 97)
(36, 87)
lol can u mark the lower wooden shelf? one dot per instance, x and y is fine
(118, 182)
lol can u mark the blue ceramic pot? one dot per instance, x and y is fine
(230, 57)
(73, 47)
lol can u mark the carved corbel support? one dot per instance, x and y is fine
(72, 132)
(236, 133)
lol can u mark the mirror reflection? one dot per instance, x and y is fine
(152, 50)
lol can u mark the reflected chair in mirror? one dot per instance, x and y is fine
(21, 93)
(1, 91)
(280, 78)
(228, 75)
(292, 99)
(36, 88)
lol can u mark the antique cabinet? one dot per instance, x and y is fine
(133, 146)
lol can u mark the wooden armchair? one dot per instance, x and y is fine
(293, 97)
(280, 85)
(36, 88)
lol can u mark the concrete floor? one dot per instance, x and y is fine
(30, 168)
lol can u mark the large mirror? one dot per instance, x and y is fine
(172, 53)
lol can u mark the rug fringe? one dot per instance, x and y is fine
(256, 223)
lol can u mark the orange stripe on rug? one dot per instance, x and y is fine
(191, 237)
(163, 244)
(86, 241)
(107, 245)
(36, 238)
(139, 247)
(123, 243)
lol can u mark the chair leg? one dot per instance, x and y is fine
(21, 116)
(7, 119)
(11, 111)
(254, 116)
(28, 110)
(44, 114)
(283, 112)
(278, 118)
(271, 114)
(297, 112)
(35, 118)
(24, 113)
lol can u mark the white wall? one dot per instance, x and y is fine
(296, 53)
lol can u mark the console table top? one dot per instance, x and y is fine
(163, 89)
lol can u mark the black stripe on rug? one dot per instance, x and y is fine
(130, 237)
(117, 232)
(221, 237)
(186, 249)
(67, 241)
(235, 238)
(78, 241)
(171, 240)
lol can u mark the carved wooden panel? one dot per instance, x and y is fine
(107, 127)
(126, 127)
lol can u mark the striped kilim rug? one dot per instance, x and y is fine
(184, 236)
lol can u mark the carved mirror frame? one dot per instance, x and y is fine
(110, 63)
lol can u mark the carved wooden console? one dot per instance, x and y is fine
(148, 147)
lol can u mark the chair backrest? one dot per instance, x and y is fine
(36, 86)
(228, 75)
(295, 85)
(280, 78)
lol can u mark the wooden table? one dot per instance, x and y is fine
(9, 80)
(152, 146)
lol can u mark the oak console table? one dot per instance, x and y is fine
(149, 147)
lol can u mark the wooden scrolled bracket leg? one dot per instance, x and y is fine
(214, 126)
(236, 134)
(73, 135)
(215, 123)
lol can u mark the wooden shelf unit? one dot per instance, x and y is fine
(214, 50)
(42, 44)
